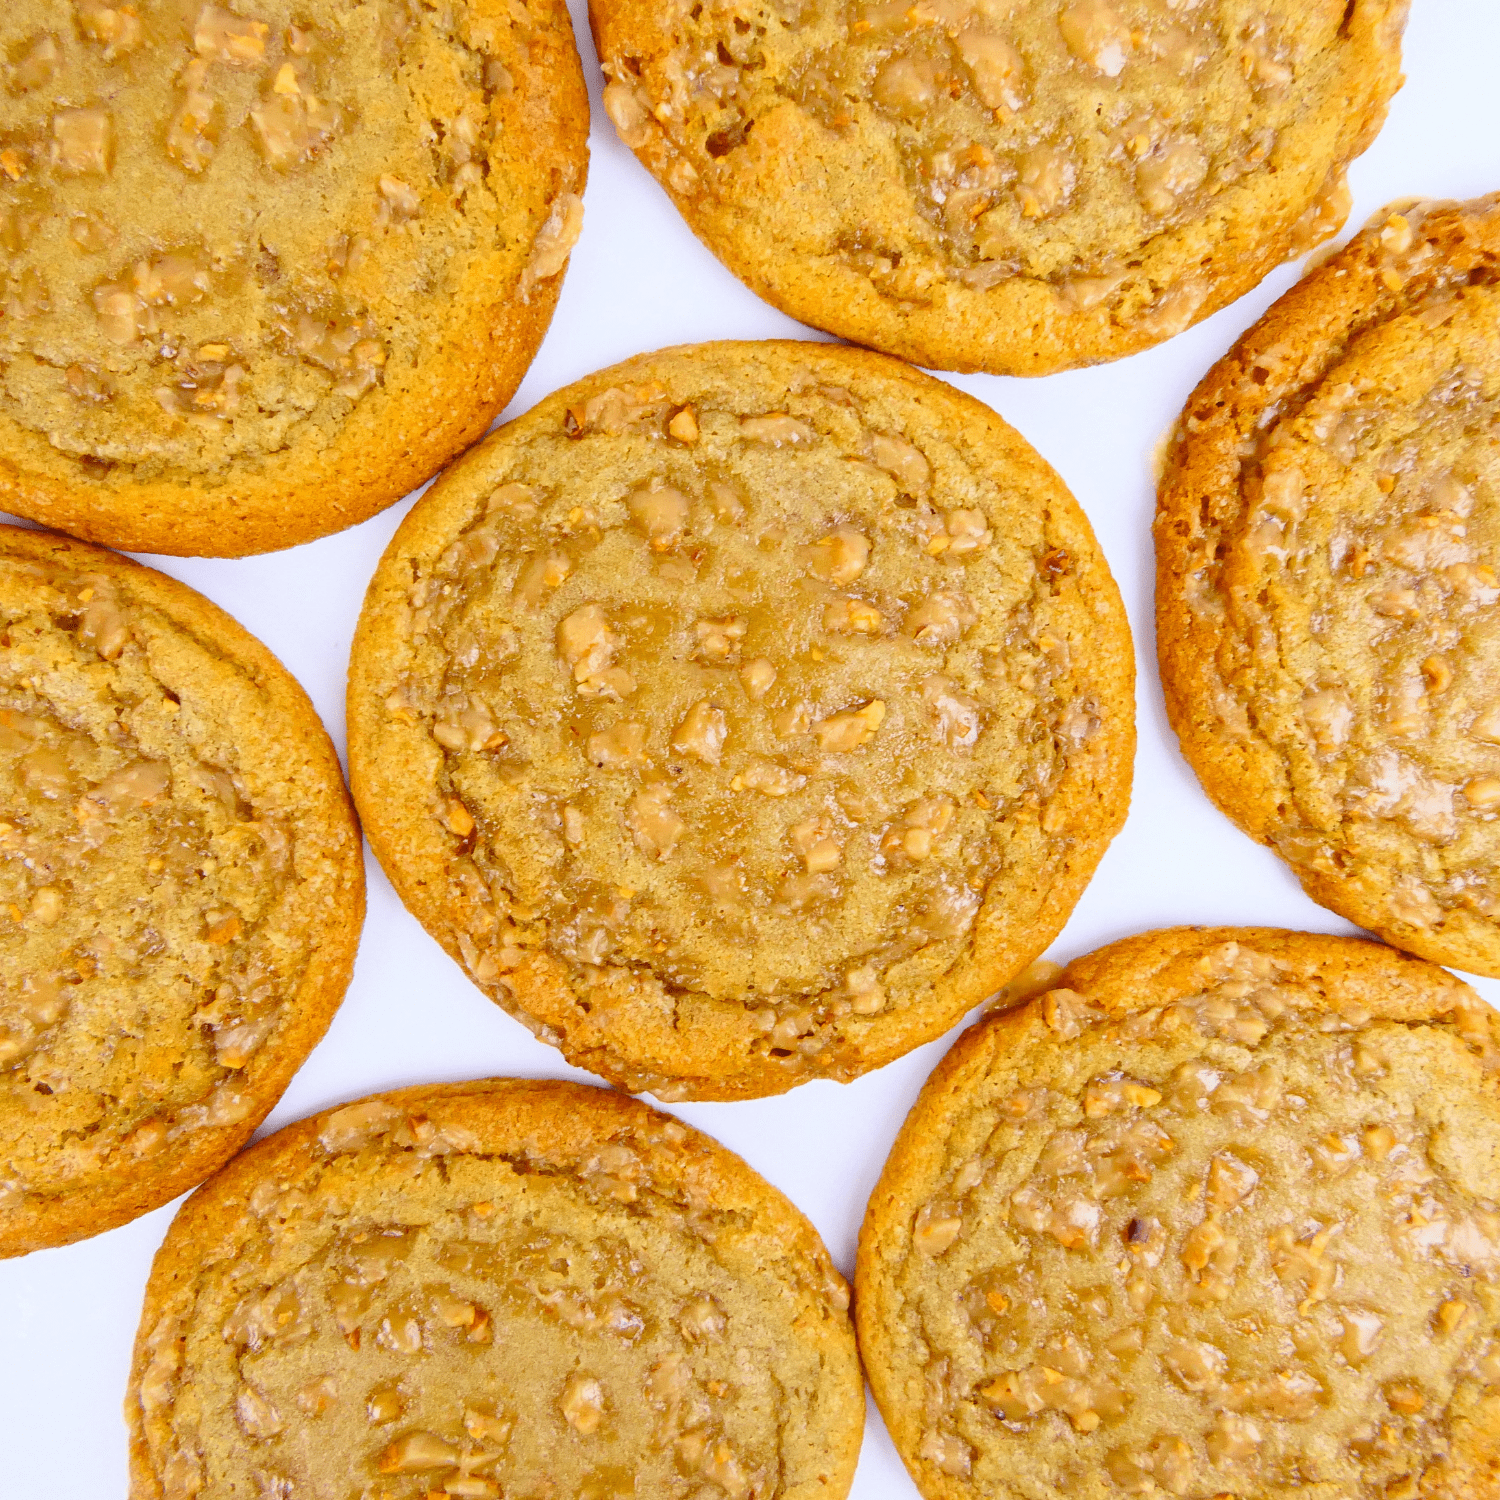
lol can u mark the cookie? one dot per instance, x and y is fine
(270, 266)
(181, 888)
(1016, 186)
(1216, 1216)
(1327, 538)
(493, 1288)
(743, 714)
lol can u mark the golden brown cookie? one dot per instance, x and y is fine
(1016, 186)
(181, 888)
(1327, 541)
(487, 1289)
(743, 714)
(1217, 1216)
(270, 265)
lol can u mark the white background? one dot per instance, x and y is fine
(639, 281)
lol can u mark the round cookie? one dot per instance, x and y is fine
(181, 888)
(493, 1288)
(1016, 186)
(1327, 541)
(1216, 1216)
(270, 266)
(743, 714)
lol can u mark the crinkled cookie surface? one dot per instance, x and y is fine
(1010, 185)
(256, 253)
(181, 888)
(520, 1289)
(743, 714)
(1218, 1215)
(1328, 604)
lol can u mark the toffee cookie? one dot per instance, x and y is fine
(270, 265)
(743, 714)
(1327, 542)
(181, 888)
(510, 1288)
(1016, 186)
(1217, 1216)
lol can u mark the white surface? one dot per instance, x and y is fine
(638, 281)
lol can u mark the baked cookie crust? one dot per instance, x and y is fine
(1215, 1215)
(1327, 536)
(743, 714)
(269, 267)
(494, 1288)
(1017, 186)
(181, 888)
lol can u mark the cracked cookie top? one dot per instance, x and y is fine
(1220, 1214)
(491, 1289)
(238, 237)
(743, 713)
(181, 888)
(1328, 536)
(1010, 185)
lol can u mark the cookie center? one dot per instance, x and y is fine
(749, 709)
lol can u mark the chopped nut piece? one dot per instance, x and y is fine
(719, 640)
(294, 127)
(116, 28)
(37, 64)
(458, 818)
(996, 72)
(416, 1452)
(1362, 1329)
(843, 732)
(684, 426)
(840, 557)
(655, 826)
(554, 241)
(662, 513)
(1405, 1396)
(582, 1403)
(702, 733)
(257, 1417)
(1097, 35)
(83, 142)
(222, 36)
(620, 746)
(398, 199)
(1483, 792)
(777, 430)
(758, 677)
(906, 86)
(905, 462)
(1046, 181)
(852, 617)
(769, 778)
(586, 643)
(1451, 1315)
(940, 619)
(937, 1226)
(1230, 1180)
(955, 717)
(866, 993)
(813, 840)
